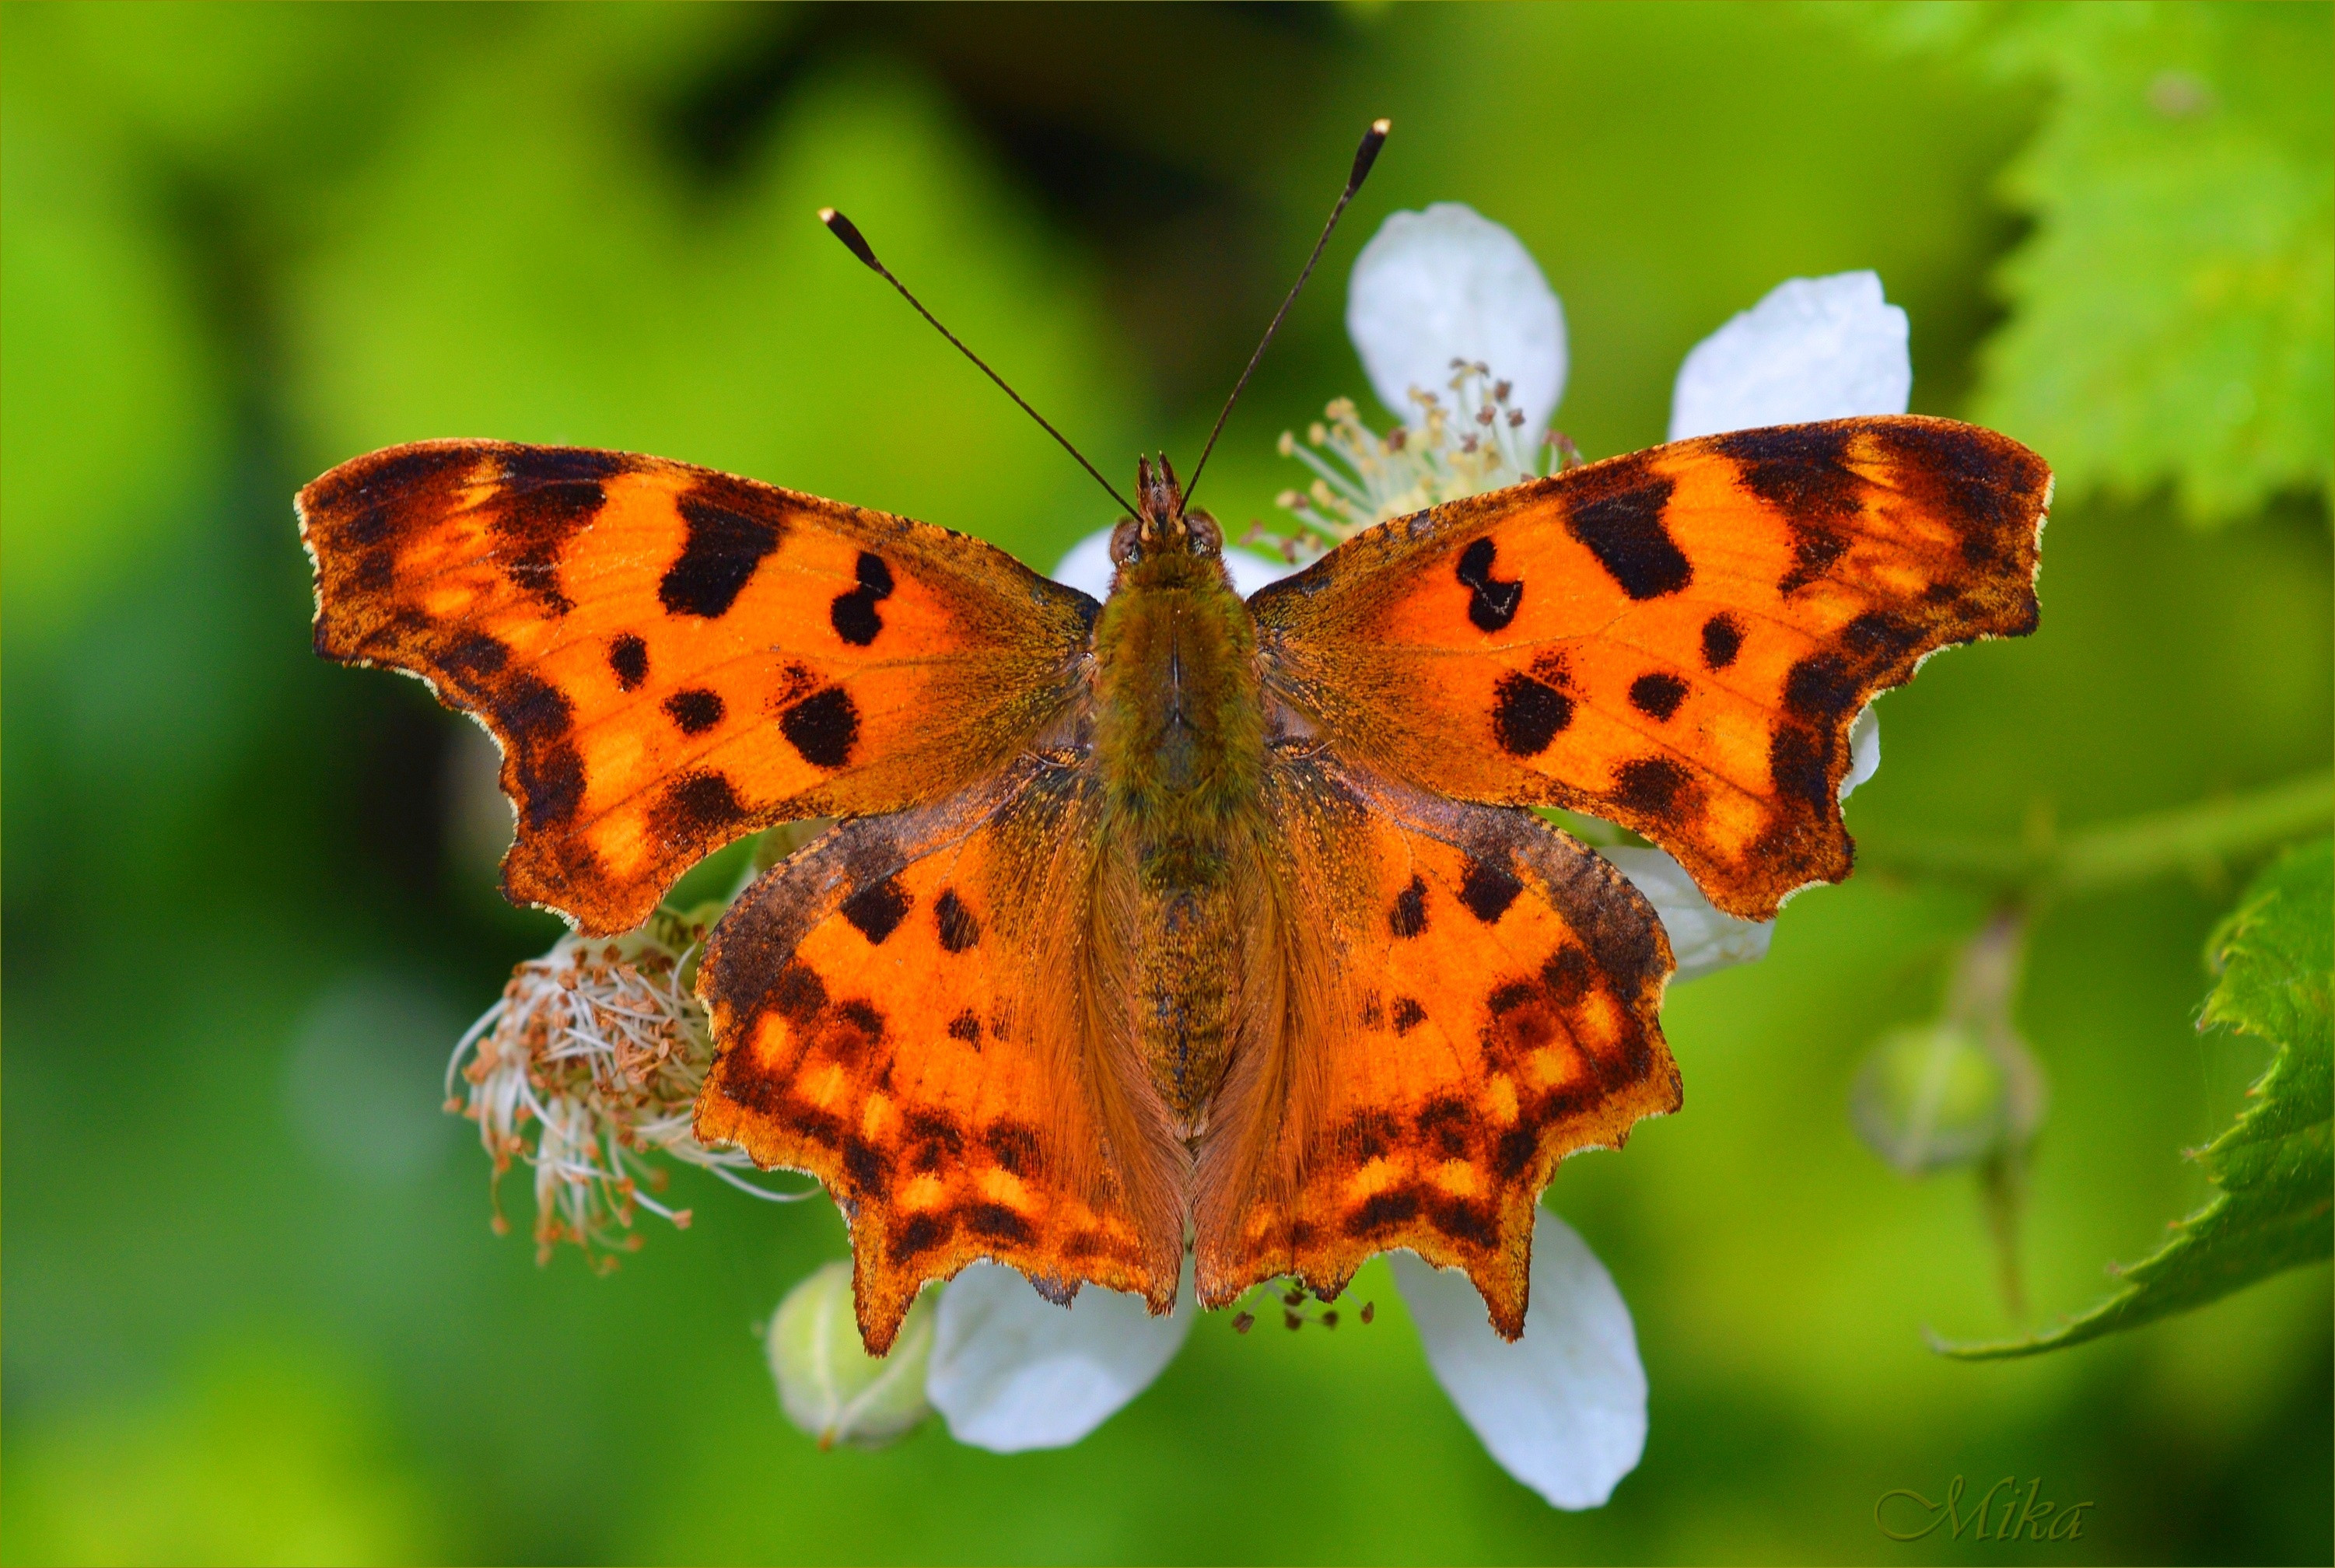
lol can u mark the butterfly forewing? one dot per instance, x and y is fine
(671, 657)
(1678, 639)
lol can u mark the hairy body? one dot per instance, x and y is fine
(1179, 742)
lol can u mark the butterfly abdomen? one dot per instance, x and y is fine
(1179, 736)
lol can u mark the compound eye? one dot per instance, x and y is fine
(1202, 535)
(1123, 547)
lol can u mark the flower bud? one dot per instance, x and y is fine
(1932, 1096)
(829, 1385)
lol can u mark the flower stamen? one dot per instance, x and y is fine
(585, 1068)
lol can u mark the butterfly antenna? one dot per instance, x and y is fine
(843, 229)
(1364, 156)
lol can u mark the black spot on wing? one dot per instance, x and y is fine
(1800, 470)
(723, 545)
(1488, 890)
(798, 994)
(1507, 997)
(1722, 639)
(695, 711)
(1409, 916)
(1879, 637)
(537, 718)
(959, 930)
(696, 806)
(920, 1234)
(999, 1224)
(1369, 1135)
(1796, 762)
(533, 523)
(1527, 714)
(1820, 687)
(1814, 550)
(1446, 1123)
(1491, 603)
(472, 657)
(1568, 975)
(966, 1026)
(1394, 1207)
(1014, 1146)
(628, 660)
(853, 614)
(1657, 694)
(1407, 1015)
(876, 912)
(562, 465)
(1654, 785)
(370, 498)
(854, 1029)
(1989, 487)
(1618, 515)
(865, 1165)
(823, 727)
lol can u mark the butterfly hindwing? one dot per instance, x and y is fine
(671, 657)
(1474, 995)
(1677, 640)
(899, 1006)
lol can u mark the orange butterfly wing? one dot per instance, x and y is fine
(1677, 640)
(899, 1007)
(671, 657)
(1476, 996)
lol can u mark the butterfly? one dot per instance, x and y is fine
(1180, 919)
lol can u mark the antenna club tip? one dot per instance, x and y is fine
(1368, 153)
(843, 229)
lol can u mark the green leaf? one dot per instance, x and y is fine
(2274, 1168)
(2173, 313)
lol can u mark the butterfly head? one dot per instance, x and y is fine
(1161, 526)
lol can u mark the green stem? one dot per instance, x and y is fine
(2119, 854)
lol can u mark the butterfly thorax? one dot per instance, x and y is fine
(1179, 738)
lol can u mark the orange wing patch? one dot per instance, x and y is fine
(673, 657)
(1477, 997)
(897, 1006)
(1677, 640)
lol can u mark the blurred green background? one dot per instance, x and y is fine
(253, 1311)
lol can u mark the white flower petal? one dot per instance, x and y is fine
(1012, 1371)
(1816, 348)
(1704, 939)
(1450, 283)
(1864, 749)
(1086, 567)
(1563, 1408)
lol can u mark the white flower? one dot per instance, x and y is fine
(1816, 348)
(1563, 1408)
(1447, 284)
(1011, 1370)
